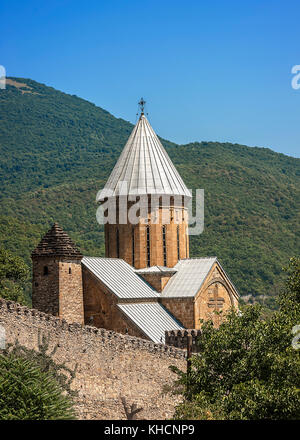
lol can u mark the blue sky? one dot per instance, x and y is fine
(214, 71)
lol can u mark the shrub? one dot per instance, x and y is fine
(27, 393)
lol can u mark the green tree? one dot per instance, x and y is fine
(292, 292)
(13, 275)
(246, 369)
(27, 393)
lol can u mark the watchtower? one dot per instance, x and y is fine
(57, 276)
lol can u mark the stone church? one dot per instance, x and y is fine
(146, 284)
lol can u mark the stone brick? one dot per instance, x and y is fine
(175, 219)
(182, 309)
(57, 276)
(100, 307)
(110, 365)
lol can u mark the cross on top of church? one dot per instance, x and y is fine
(142, 105)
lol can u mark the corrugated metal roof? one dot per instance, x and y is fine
(145, 165)
(189, 277)
(156, 269)
(119, 277)
(152, 318)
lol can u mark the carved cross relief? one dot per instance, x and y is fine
(215, 303)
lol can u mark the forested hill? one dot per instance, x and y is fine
(57, 151)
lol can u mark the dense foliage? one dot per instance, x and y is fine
(43, 357)
(57, 150)
(248, 368)
(27, 393)
(14, 273)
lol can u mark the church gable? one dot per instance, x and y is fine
(216, 296)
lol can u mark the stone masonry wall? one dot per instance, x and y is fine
(100, 307)
(182, 309)
(157, 280)
(179, 338)
(59, 290)
(171, 217)
(70, 291)
(110, 365)
(45, 286)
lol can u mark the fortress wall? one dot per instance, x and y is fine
(110, 365)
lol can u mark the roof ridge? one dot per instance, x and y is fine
(105, 258)
(197, 258)
(121, 280)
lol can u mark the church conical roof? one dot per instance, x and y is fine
(145, 165)
(56, 242)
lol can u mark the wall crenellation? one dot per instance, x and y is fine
(109, 366)
(106, 335)
(178, 338)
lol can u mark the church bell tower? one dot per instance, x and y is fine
(160, 237)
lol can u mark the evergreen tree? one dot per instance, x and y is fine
(27, 393)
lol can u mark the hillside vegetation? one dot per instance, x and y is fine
(57, 151)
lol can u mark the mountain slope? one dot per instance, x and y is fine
(57, 151)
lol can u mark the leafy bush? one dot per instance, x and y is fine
(246, 369)
(13, 275)
(27, 393)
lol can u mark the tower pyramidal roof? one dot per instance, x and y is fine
(145, 166)
(56, 242)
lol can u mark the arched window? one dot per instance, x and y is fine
(118, 244)
(70, 270)
(132, 242)
(46, 271)
(148, 245)
(178, 243)
(164, 245)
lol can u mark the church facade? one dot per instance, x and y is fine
(146, 284)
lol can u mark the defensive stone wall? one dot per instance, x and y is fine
(109, 365)
(179, 338)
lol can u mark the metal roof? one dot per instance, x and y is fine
(145, 165)
(156, 269)
(152, 318)
(190, 275)
(119, 277)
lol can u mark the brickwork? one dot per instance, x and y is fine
(178, 338)
(182, 309)
(57, 288)
(216, 295)
(70, 291)
(157, 280)
(100, 308)
(131, 244)
(57, 276)
(45, 285)
(110, 365)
